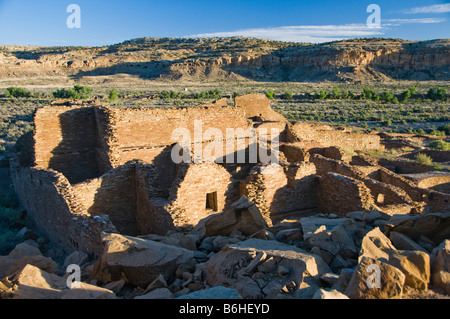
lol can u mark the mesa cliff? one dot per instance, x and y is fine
(236, 59)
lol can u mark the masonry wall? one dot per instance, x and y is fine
(57, 213)
(325, 136)
(188, 195)
(280, 190)
(143, 134)
(340, 195)
(66, 141)
(258, 106)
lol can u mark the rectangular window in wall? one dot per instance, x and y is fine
(211, 201)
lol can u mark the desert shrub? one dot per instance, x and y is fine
(113, 95)
(78, 92)
(412, 90)
(15, 92)
(387, 123)
(445, 128)
(437, 94)
(406, 95)
(84, 91)
(337, 93)
(440, 145)
(211, 94)
(288, 95)
(270, 94)
(420, 131)
(424, 159)
(321, 95)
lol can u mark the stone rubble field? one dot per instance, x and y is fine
(235, 255)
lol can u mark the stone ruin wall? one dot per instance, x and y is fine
(101, 187)
(314, 135)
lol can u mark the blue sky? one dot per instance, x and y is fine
(43, 22)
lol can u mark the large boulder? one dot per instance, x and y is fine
(415, 265)
(364, 283)
(243, 216)
(140, 260)
(34, 283)
(261, 260)
(435, 226)
(376, 245)
(20, 252)
(440, 266)
(88, 291)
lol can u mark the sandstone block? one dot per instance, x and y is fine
(140, 260)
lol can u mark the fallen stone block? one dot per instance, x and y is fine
(440, 266)
(140, 260)
(225, 267)
(88, 291)
(374, 279)
(244, 217)
(34, 283)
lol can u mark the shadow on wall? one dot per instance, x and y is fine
(76, 155)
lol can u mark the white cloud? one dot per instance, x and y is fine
(309, 34)
(437, 8)
(397, 22)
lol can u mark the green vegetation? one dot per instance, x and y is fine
(288, 95)
(77, 93)
(113, 95)
(435, 94)
(270, 94)
(440, 145)
(15, 92)
(424, 159)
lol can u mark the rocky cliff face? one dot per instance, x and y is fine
(359, 60)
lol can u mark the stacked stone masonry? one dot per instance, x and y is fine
(88, 169)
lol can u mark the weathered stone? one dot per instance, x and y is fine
(363, 284)
(272, 289)
(19, 252)
(115, 286)
(330, 278)
(142, 261)
(34, 283)
(310, 225)
(263, 234)
(218, 292)
(288, 235)
(329, 294)
(248, 288)
(77, 258)
(306, 291)
(244, 216)
(159, 282)
(344, 278)
(344, 240)
(403, 242)
(44, 263)
(415, 265)
(376, 245)
(440, 266)
(180, 240)
(223, 268)
(267, 265)
(160, 293)
(435, 226)
(88, 291)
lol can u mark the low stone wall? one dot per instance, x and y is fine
(56, 211)
(339, 194)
